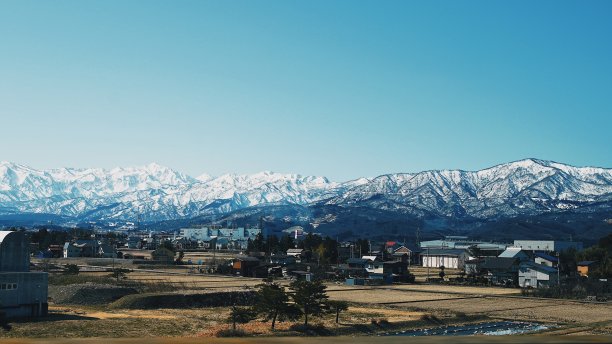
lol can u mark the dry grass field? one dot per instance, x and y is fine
(373, 310)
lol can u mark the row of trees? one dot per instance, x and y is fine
(273, 303)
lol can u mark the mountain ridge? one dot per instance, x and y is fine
(158, 193)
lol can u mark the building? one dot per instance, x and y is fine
(449, 258)
(547, 245)
(409, 253)
(516, 253)
(537, 275)
(22, 293)
(462, 242)
(585, 266)
(500, 271)
(545, 259)
(245, 265)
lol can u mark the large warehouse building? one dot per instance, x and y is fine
(22, 293)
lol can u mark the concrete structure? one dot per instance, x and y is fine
(22, 293)
(547, 245)
(452, 259)
(537, 275)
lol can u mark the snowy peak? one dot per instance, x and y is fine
(157, 192)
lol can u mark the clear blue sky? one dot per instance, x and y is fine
(335, 88)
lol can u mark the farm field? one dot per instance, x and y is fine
(373, 309)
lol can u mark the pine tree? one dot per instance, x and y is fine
(310, 297)
(273, 303)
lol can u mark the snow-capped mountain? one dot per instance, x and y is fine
(157, 193)
(153, 192)
(523, 187)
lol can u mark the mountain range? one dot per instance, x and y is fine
(430, 199)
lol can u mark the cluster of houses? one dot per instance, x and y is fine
(297, 263)
(525, 263)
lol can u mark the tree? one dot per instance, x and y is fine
(337, 307)
(363, 247)
(286, 243)
(119, 273)
(258, 244)
(310, 297)
(71, 269)
(167, 244)
(241, 315)
(273, 244)
(273, 303)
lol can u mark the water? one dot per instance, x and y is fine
(497, 328)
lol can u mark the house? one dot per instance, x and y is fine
(449, 258)
(22, 293)
(297, 253)
(585, 266)
(471, 266)
(375, 266)
(408, 252)
(499, 270)
(545, 259)
(537, 275)
(516, 253)
(72, 250)
(245, 265)
(302, 275)
(281, 259)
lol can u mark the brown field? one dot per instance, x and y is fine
(401, 307)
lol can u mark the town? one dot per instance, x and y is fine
(43, 271)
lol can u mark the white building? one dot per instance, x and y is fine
(537, 275)
(547, 245)
(452, 259)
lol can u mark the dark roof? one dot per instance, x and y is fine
(546, 256)
(540, 267)
(247, 259)
(442, 252)
(586, 262)
(497, 263)
(357, 261)
(393, 263)
(411, 247)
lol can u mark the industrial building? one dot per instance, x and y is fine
(22, 293)
(547, 245)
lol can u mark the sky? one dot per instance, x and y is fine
(341, 89)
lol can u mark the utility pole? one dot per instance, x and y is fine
(558, 270)
(428, 263)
